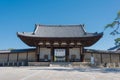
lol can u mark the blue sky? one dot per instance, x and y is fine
(22, 15)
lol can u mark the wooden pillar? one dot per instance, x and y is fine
(81, 54)
(8, 57)
(52, 54)
(110, 58)
(37, 53)
(17, 57)
(51, 51)
(119, 58)
(67, 54)
(27, 56)
(101, 57)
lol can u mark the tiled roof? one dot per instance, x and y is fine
(102, 51)
(59, 31)
(17, 50)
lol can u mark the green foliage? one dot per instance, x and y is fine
(11, 49)
(118, 16)
(117, 41)
(116, 25)
(110, 25)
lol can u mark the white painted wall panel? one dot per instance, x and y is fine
(3, 58)
(43, 52)
(31, 56)
(22, 57)
(74, 51)
(13, 57)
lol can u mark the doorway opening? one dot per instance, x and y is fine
(59, 55)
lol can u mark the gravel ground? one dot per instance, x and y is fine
(58, 73)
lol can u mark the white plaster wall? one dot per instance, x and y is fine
(74, 51)
(44, 51)
(31, 56)
(22, 57)
(3, 58)
(13, 57)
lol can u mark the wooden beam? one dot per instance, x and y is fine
(39, 54)
(32, 41)
(119, 58)
(27, 56)
(8, 57)
(101, 57)
(110, 58)
(67, 54)
(51, 51)
(52, 54)
(17, 57)
(80, 54)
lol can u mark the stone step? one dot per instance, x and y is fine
(58, 64)
(38, 63)
(71, 64)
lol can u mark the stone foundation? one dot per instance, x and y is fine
(38, 63)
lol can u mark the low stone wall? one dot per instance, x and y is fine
(38, 63)
(18, 57)
(102, 58)
(108, 65)
(81, 64)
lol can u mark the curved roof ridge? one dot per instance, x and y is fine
(60, 25)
